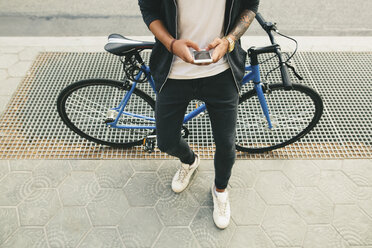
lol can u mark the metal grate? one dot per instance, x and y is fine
(30, 127)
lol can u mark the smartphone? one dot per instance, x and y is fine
(202, 56)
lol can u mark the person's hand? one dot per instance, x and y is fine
(220, 47)
(181, 49)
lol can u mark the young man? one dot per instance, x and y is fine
(181, 26)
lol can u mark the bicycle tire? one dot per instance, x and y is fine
(106, 94)
(252, 132)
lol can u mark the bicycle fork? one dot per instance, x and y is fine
(260, 93)
(263, 103)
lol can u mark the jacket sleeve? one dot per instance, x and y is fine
(251, 5)
(150, 9)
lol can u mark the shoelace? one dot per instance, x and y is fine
(182, 174)
(222, 207)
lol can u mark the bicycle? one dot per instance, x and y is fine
(270, 116)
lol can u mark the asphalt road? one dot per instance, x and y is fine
(97, 17)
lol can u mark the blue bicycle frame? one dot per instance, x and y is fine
(254, 75)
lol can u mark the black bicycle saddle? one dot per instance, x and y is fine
(120, 45)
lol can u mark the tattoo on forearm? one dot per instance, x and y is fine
(246, 18)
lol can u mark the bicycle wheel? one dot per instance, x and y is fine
(83, 108)
(293, 114)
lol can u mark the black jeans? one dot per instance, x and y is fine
(221, 98)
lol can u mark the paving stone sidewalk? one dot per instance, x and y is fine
(129, 203)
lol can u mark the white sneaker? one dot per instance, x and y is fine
(221, 211)
(182, 177)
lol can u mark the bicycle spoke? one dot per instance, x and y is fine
(90, 117)
(105, 109)
(90, 110)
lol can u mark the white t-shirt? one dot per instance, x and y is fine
(200, 21)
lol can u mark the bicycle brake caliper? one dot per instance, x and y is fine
(266, 88)
(149, 143)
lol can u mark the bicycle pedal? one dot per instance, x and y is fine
(149, 143)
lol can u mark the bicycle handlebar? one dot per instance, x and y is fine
(261, 20)
(269, 27)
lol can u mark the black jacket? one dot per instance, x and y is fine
(166, 10)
